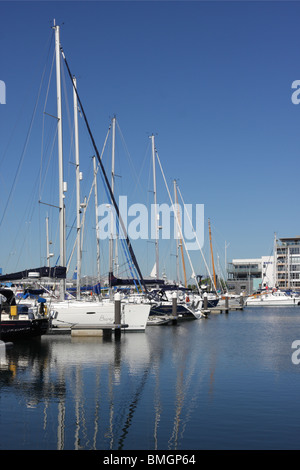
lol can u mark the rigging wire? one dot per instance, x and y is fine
(50, 39)
(24, 149)
(107, 185)
(178, 225)
(195, 236)
(31, 205)
(137, 176)
(43, 126)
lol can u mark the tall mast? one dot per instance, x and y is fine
(155, 211)
(177, 236)
(49, 255)
(111, 241)
(212, 256)
(60, 162)
(77, 189)
(96, 214)
(179, 228)
(275, 261)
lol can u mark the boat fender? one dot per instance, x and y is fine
(187, 299)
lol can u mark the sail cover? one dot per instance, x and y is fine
(113, 281)
(57, 272)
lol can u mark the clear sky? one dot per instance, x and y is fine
(211, 80)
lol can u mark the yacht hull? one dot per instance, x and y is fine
(80, 313)
(271, 300)
(166, 309)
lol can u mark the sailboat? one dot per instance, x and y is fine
(212, 298)
(186, 309)
(67, 313)
(194, 297)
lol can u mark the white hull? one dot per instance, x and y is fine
(82, 313)
(272, 300)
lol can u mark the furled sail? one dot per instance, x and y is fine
(57, 272)
(113, 281)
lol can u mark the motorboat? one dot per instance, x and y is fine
(21, 321)
(188, 306)
(273, 298)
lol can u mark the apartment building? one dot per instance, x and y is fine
(287, 255)
(281, 270)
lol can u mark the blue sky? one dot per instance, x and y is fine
(212, 81)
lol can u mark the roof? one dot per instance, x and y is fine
(297, 238)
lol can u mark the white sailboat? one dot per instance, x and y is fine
(67, 313)
(187, 308)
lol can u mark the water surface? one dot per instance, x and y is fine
(226, 382)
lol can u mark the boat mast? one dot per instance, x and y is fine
(77, 189)
(178, 227)
(155, 211)
(111, 241)
(62, 233)
(177, 238)
(49, 255)
(212, 256)
(275, 261)
(96, 214)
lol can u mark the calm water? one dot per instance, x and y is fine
(226, 382)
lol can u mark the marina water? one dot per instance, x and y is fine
(225, 382)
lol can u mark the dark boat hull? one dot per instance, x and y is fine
(211, 303)
(182, 312)
(11, 330)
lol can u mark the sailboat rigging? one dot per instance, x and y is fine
(108, 186)
(179, 234)
(212, 256)
(80, 312)
(156, 215)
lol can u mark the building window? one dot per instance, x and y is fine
(294, 267)
(295, 275)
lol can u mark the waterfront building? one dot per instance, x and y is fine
(280, 270)
(248, 275)
(287, 254)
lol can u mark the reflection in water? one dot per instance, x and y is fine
(190, 386)
(102, 389)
